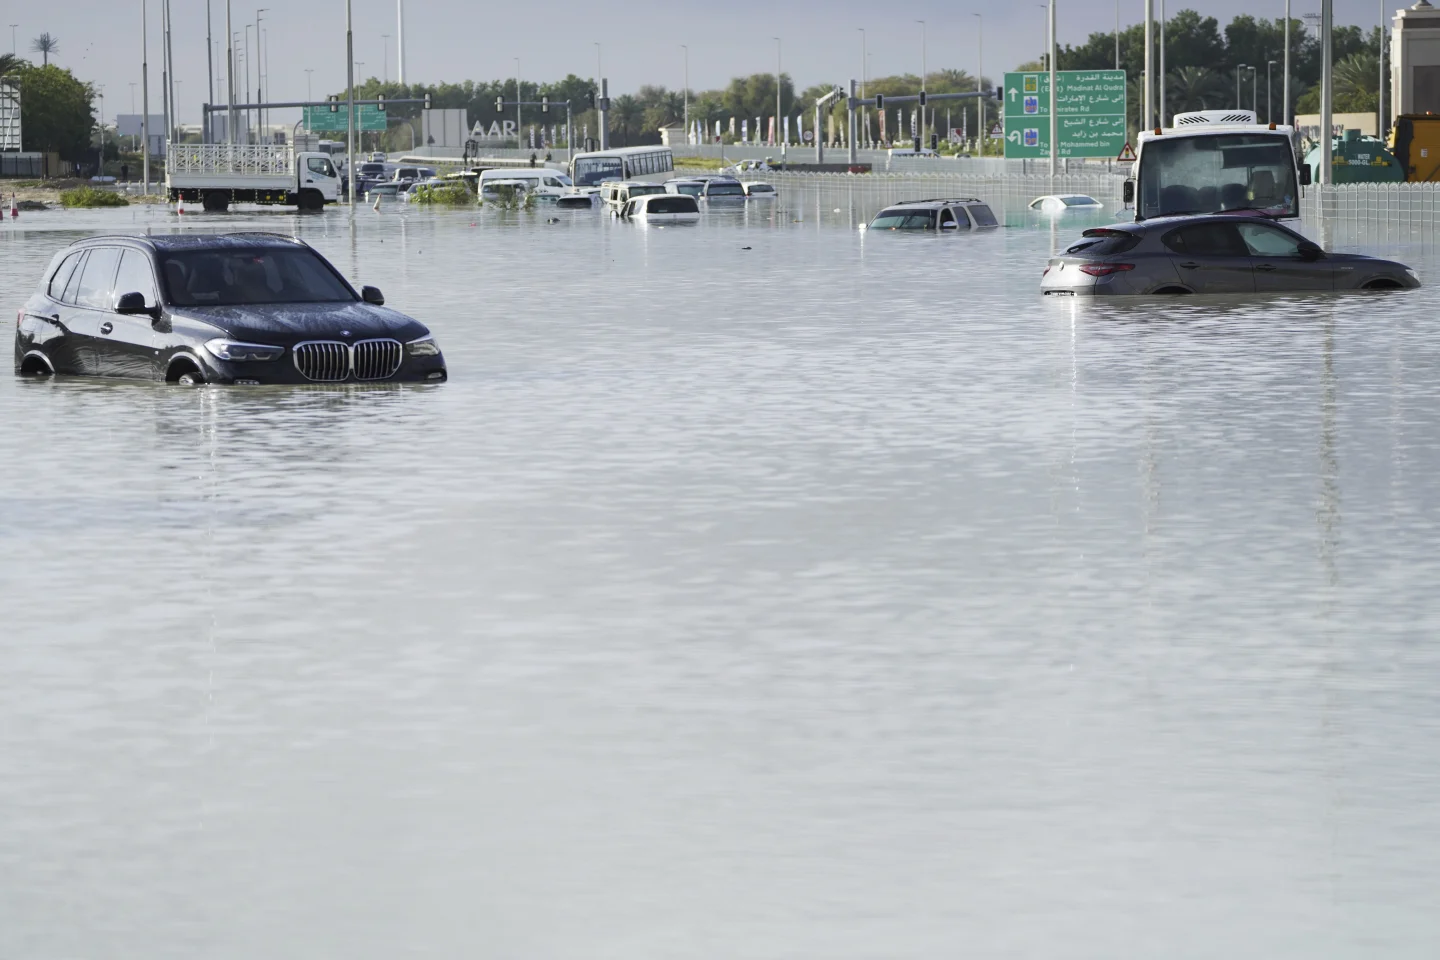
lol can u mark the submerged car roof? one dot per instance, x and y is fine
(199, 241)
(942, 202)
(1139, 226)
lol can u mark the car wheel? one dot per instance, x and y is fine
(1172, 291)
(191, 378)
(215, 201)
(1383, 284)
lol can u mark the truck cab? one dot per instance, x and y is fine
(1217, 161)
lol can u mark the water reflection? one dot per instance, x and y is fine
(843, 564)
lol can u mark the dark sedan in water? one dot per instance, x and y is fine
(1222, 253)
(238, 308)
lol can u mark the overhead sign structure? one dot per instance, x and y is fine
(368, 118)
(1090, 113)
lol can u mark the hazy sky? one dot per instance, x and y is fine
(450, 40)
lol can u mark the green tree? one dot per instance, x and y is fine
(626, 117)
(1357, 82)
(1195, 88)
(9, 63)
(55, 113)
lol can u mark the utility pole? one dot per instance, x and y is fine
(778, 114)
(229, 76)
(350, 102)
(1254, 89)
(1054, 116)
(924, 72)
(164, 70)
(400, 41)
(1327, 90)
(1285, 84)
(518, 98)
(1145, 98)
(1161, 76)
(259, 75)
(864, 75)
(1380, 105)
(687, 91)
(1117, 34)
(385, 58)
(209, 77)
(979, 84)
(1269, 91)
(145, 90)
(1239, 72)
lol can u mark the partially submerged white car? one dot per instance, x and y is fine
(1061, 202)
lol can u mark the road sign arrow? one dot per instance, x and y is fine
(1013, 136)
(1013, 94)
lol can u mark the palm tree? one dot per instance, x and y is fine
(45, 45)
(9, 63)
(1195, 88)
(628, 115)
(1357, 75)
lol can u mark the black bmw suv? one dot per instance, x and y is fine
(245, 308)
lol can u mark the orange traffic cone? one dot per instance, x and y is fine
(14, 208)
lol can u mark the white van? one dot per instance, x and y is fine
(661, 207)
(617, 193)
(540, 181)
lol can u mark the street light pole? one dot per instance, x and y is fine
(350, 103)
(1285, 83)
(1054, 114)
(924, 71)
(864, 75)
(13, 51)
(1146, 101)
(980, 84)
(259, 74)
(1269, 91)
(1254, 90)
(400, 42)
(1239, 72)
(687, 91)
(778, 114)
(145, 91)
(229, 76)
(1327, 90)
(1380, 104)
(385, 58)
(209, 77)
(1160, 74)
(518, 98)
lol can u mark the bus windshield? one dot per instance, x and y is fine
(592, 170)
(1219, 172)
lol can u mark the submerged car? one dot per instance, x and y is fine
(754, 188)
(242, 308)
(948, 214)
(1218, 253)
(663, 207)
(1061, 202)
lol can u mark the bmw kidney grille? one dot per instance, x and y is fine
(330, 361)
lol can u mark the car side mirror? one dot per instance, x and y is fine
(1304, 174)
(133, 304)
(1128, 191)
(372, 295)
(949, 225)
(1310, 251)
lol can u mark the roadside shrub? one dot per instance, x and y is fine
(448, 195)
(513, 198)
(91, 197)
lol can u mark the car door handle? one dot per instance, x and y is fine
(1190, 266)
(106, 327)
(1265, 266)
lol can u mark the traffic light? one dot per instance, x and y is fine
(545, 104)
(427, 101)
(879, 101)
(499, 104)
(381, 105)
(934, 141)
(591, 97)
(922, 98)
(334, 104)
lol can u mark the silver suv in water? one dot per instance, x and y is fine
(960, 213)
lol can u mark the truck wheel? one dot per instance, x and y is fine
(216, 202)
(311, 200)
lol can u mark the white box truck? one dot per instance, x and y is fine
(216, 175)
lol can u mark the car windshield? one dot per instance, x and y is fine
(904, 220)
(592, 170)
(229, 278)
(726, 190)
(690, 189)
(1211, 174)
(372, 168)
(1078, 201)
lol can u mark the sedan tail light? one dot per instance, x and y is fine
(1105, 269)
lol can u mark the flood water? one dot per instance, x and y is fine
(756, 589)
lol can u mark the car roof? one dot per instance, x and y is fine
(1238, 216)
(942, 202)
(199, 241)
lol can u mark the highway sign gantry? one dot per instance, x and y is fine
(1091, 113)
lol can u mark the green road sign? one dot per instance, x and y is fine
(368, 117)
(1091, 115)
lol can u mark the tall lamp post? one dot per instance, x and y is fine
(1239, 72)
(385, 58)
(259, 74)
(1380, 89)
(687, 91)
(145, 92)
(864, 75)
(924, 72)
(1285, 83)
(517, 103)
(778, 113)
(1269, 91)
(980, 82)
(1254, 89)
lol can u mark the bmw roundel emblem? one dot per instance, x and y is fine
(344, 333)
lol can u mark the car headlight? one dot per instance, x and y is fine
(1413, 275)
(424, 347)
(236, 351)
